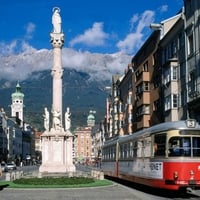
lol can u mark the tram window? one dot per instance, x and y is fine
(111, 153)
(125, 151)
(131, 149)
(196, 146)
(147, 147)
(180, 146)
(128, 150)
(160, 143)
(186, 146)
(135, 149)
(140, 149)
(114, 153)
(121, 151)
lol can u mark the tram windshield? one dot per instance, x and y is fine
(184, 146)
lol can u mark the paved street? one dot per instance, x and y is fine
(115, 192)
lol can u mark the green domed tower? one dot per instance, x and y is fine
(91, 118)
(17, 103)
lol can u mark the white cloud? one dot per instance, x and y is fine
(163, 8)
(98, 66)
(19, 44)
(131, 42)
(134, 40)
(7, 49)
(30, 28)
(21, 66)
(94, 36)
(133, 20)
(26, 47)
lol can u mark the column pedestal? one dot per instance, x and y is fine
(57, 152)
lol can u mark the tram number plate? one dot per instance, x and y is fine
(192, 182)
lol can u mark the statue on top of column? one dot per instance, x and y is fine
(56, 20)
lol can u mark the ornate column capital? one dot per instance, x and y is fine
(57, 74)
(57, 40)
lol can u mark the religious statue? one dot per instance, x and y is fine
(56, 120)
(56, 20)
(67, 119)
(46, 119)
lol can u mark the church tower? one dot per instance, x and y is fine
(17, 103)
(91, 118)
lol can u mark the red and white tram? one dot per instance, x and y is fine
(163, 156)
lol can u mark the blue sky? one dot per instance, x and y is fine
(97, 26)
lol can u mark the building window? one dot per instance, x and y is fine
(166, 76)
(120, 107)
(146, 86)
(129, 84)
(156, 81)
(190, 44)
(181, 40)
(156, 105)
(139, 111)
(137, 73)
(145, 67)
(174, 74)
(167, 103)
(174, 100)
(115, 108)
(146, 109)
(130, 117)
(174, 49)
(129, 99)
(139, 88)
(191, 85)
(115, 92)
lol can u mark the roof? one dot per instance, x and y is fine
(18, 93)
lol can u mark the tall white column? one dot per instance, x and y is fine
(57, 41)
(57, 143)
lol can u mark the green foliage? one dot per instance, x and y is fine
(54, 181)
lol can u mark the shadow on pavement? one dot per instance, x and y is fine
(3, 186)
(156, 191)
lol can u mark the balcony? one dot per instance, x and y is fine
(143, 76)
(144, 122)
(143, 98)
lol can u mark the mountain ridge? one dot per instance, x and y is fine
(79, 93)
(84, 80)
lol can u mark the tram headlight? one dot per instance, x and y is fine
(191, 172)
(175, 175)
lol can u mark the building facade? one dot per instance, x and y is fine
(83, 144)
(192, 57)
(146, 85)
(162, 83)
(16, 137)
(172, 54)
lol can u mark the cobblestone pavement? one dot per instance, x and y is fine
(114, 192)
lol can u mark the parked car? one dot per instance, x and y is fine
(4, 167)
(11, 166)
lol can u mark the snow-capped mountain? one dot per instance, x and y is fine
(84, 80)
